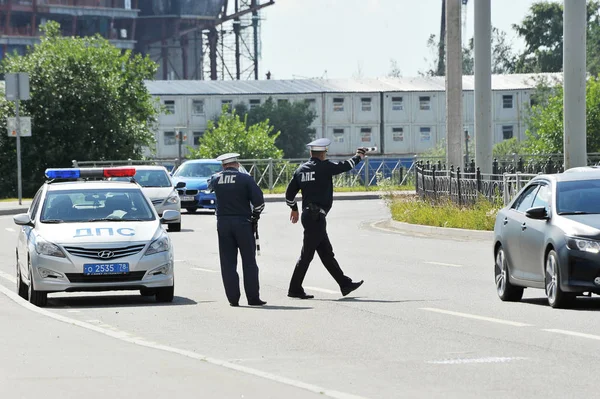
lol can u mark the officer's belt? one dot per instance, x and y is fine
(315, 208)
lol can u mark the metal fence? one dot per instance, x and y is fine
(433, 181)
(272, 173)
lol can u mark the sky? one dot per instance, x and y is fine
(351, 38)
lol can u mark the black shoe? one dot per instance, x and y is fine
(300, 295)
(351, 287)
(256, 302)
(234, 304)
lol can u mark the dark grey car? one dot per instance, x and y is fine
(549, 237)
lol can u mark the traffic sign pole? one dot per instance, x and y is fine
(17, 88)
(19, 184)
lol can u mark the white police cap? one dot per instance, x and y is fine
(319, 144)
(228, 158)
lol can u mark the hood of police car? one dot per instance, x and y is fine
(104, 232)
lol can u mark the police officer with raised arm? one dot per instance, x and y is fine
(235, 192)
(315, 179)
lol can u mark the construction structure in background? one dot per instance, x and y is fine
(189, 39)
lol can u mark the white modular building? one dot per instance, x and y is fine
(400, 116)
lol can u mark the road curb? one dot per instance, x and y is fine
(4, 212)
(443, 231)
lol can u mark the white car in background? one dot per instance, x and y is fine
(158, 186)
(82, 234)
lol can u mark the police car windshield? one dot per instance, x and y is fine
(192, 169)
(77, 206)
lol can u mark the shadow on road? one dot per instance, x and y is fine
(109, 301)
(278, 307)
(360, 300)
(581, 303)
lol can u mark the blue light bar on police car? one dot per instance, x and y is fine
(76, 173)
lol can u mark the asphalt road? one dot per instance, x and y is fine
(426, 324)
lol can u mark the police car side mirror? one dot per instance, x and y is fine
(181, 184)
(169, 216)
(23, 219)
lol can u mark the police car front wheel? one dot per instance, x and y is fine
(175, 226)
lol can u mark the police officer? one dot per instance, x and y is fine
(315, 179)
(235, 191)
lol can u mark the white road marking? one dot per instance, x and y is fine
(573, 333)
(204, 270)
(443, 264)
(73, 311)
(125, 337)
(472, 316)
(8, 277)
(322, 290)
(480, 360)
(10, 229)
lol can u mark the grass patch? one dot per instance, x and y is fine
(14, 199)
(362, 189)
(444, 213)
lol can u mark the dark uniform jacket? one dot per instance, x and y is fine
(235, 192)
(315, 179)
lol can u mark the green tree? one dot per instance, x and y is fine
(545, 122)
(88, 102)
(292, 120)
(542, 30)
(231, 134)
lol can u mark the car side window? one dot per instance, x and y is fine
(542, 198)
(526, 199)
(35, 204)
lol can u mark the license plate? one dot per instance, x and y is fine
(105, 268)
(187, 198)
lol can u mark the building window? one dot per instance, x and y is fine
(254, 103)
(170, 138)
(507, 132)
(282, 101)
(425, 133)
(338, 135)
(398, 133)
(507, 101)
(532, 101)
(397, 104)
(338, 104)
(365, 134)
(227, 103)
(169, 106)
(197, 137)
(424, 103)
(365, 104)
(198, 107)
(312, 104)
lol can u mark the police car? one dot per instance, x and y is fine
(86, 234)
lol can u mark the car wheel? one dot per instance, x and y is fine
(191, 210)
(37, 298)
(506, 291)
(147, 292)
(557, 298)
(175, 226)
(165, 294)
(21, 286)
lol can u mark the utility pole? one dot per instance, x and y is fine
(454, 116)
(441, 66)
(574, 67)
(483, 86)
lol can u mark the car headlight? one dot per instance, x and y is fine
(206, 191)
(173, 198)
(44, 247)
(162, 244)
(585, 245)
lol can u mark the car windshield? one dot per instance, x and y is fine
(578, 197)
(87, 205)
(194, 169)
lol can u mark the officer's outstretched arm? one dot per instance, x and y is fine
(291, 192)
(212, 181)
(336, 168)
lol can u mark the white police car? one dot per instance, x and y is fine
(85, 234)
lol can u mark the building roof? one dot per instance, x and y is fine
(310, 86)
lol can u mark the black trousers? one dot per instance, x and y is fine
(236, 233)
(316, 239)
